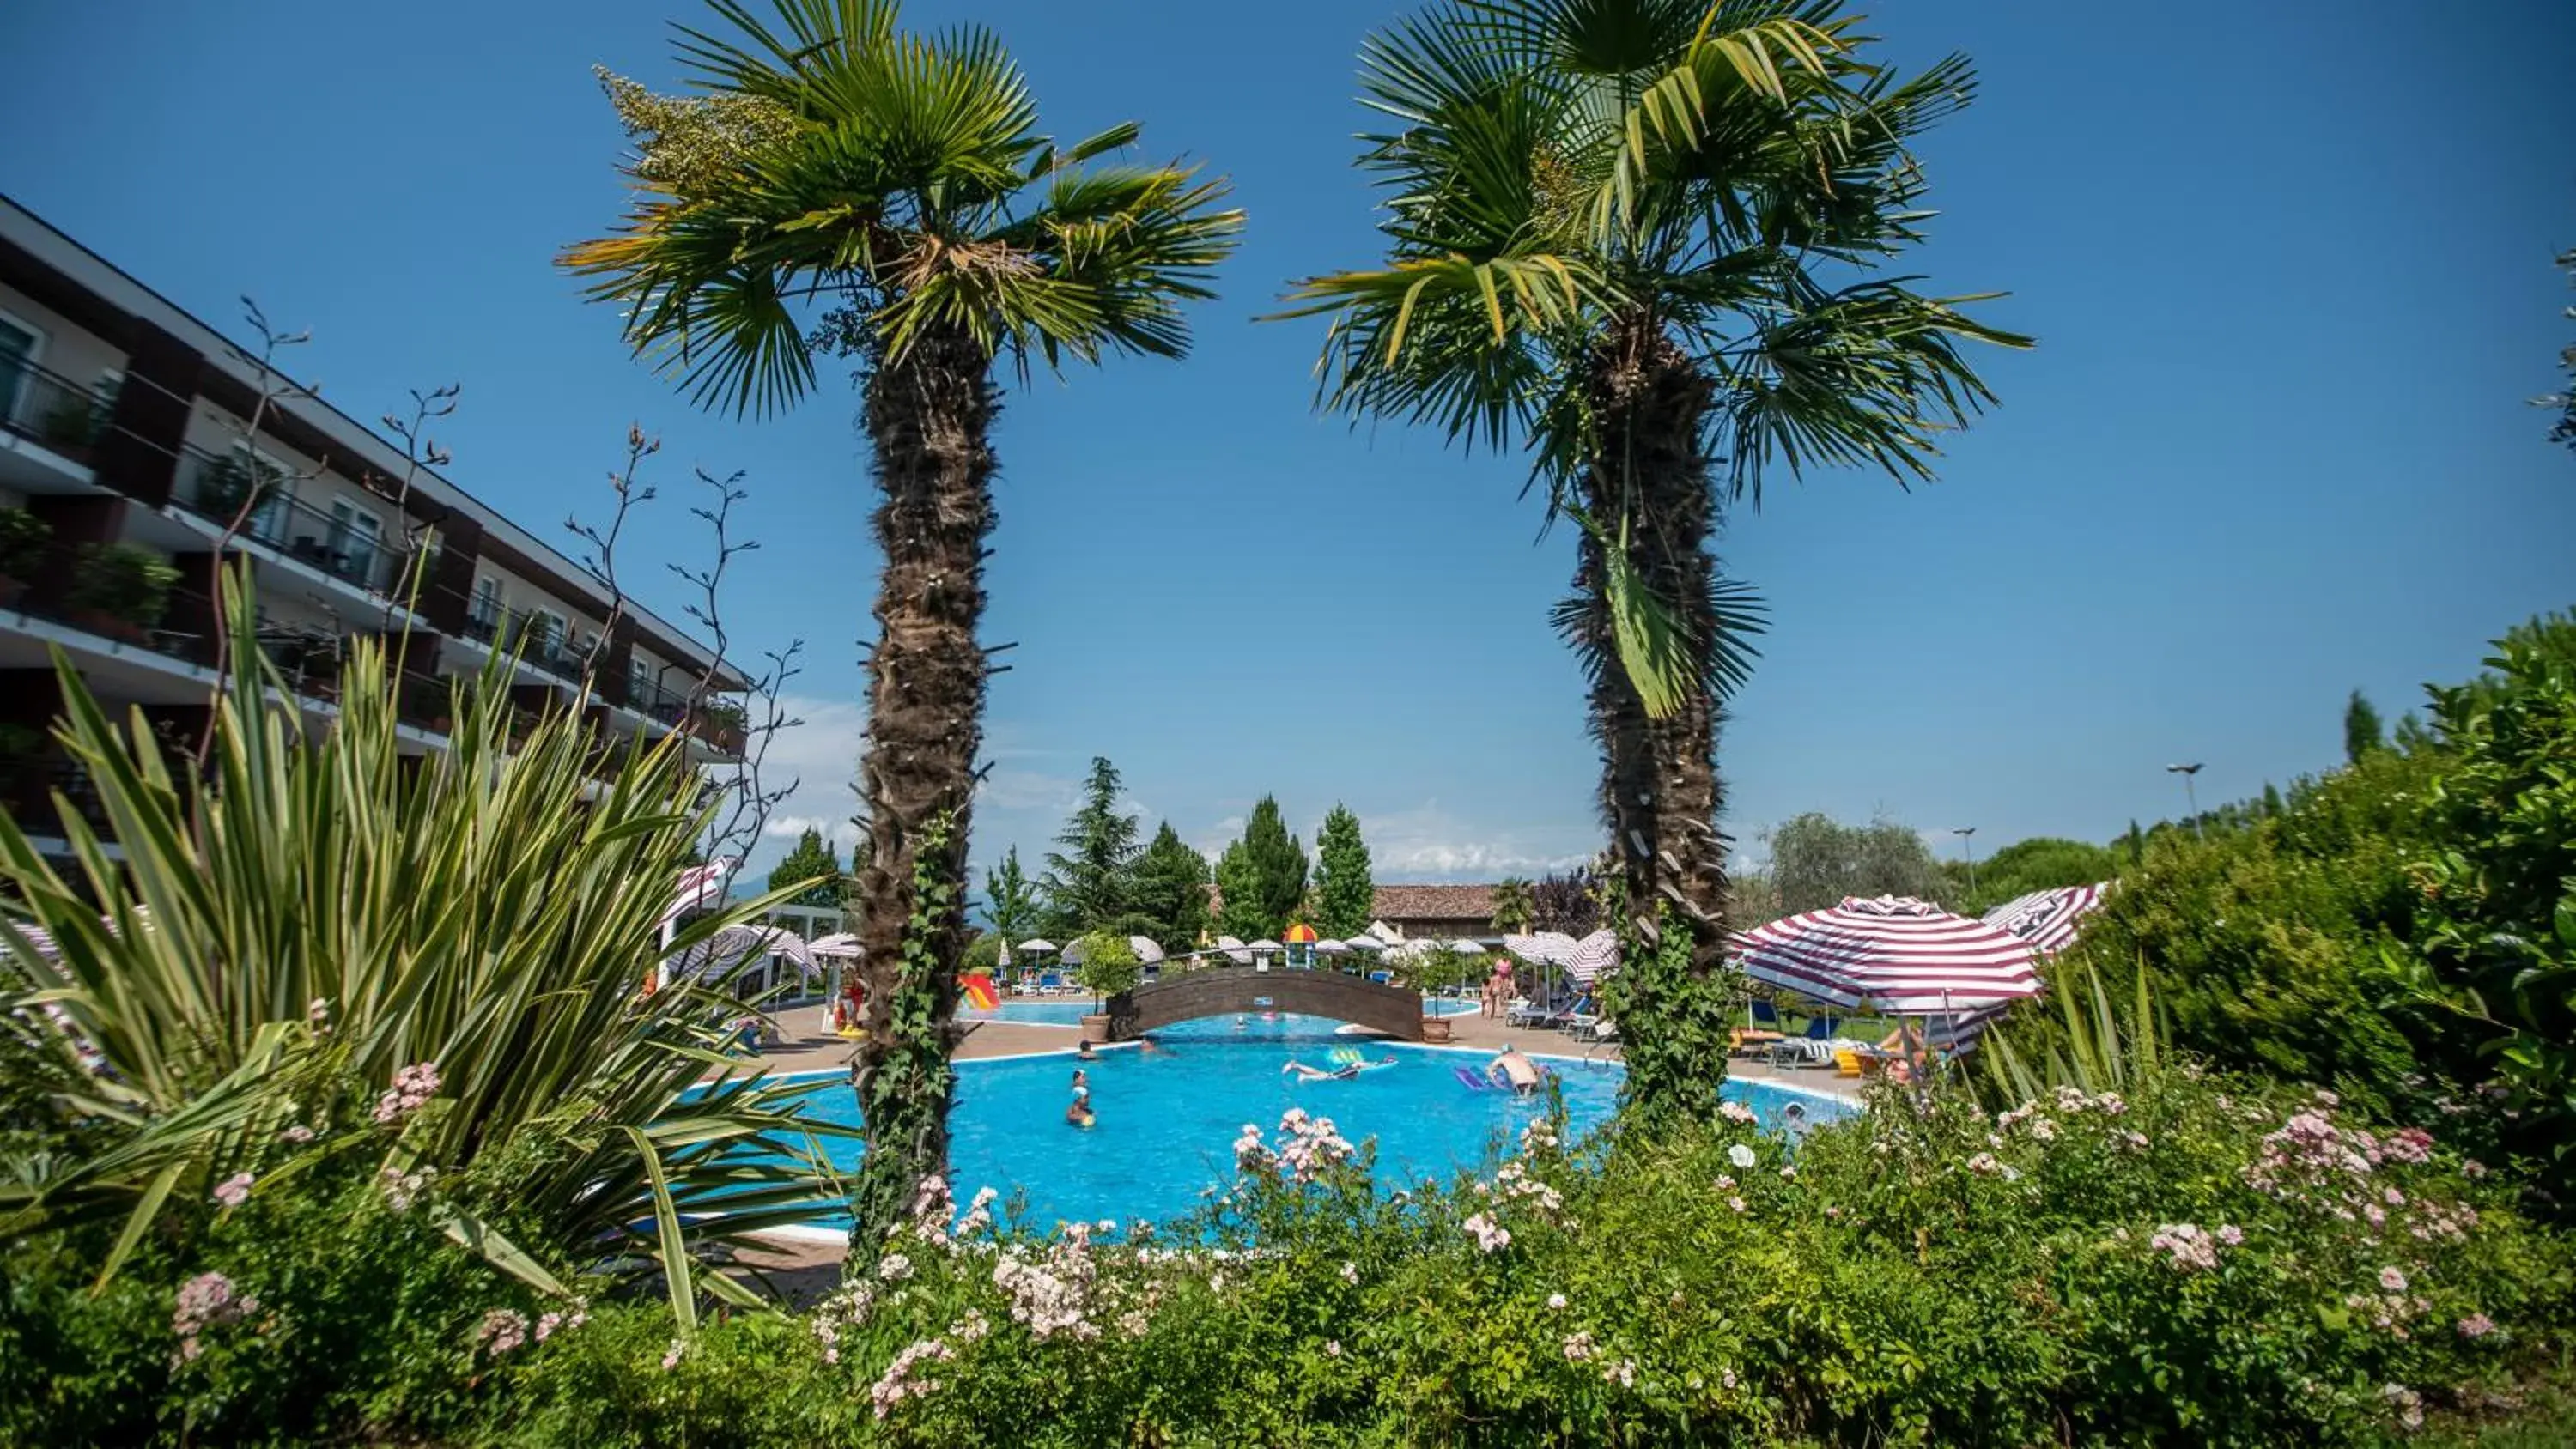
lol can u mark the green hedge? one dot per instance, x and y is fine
(1922, 1275)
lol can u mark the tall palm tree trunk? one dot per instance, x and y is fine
(1659, 785)
(929, 414)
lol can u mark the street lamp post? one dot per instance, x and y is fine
(1968, 837)
(2190, 795)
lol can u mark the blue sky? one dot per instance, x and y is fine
(2289, 266)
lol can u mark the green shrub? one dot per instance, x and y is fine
(2497, 919)
(337, 1310)
(2193, 1261)
(23, 536)
(2264, 942)
(124, 580)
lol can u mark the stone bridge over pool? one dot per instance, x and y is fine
(1236, 991)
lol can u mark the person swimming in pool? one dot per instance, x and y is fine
(1306, 1073)
(1082, 1051)
(1515, 1071)
(1078, 1113)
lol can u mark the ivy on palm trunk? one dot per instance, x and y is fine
(1674, 1017)
(905, 1080)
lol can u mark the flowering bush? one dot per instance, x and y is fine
(2191, 1260)
(290, 1315)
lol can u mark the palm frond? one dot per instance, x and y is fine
(1870, 375)
(1669, 651)
(910, 183)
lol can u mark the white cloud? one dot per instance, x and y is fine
(1432, 841)
(820, 755)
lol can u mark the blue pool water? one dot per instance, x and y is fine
(1070, 1010)
(1167, 1121)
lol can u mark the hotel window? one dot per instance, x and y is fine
(19, 346)
(356, 536)
(485, 618)
(545, 636)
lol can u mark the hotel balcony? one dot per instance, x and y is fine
(345, 548)
(49, 429)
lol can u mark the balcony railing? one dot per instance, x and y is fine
(111, 592)
(654, 700)
(717, 722)
(45, 407)
(543, 641)
(222, 489)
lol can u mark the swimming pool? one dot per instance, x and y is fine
(1070, 1010)
(1168, 1120)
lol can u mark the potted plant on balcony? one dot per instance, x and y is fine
(121, 590)
(721, 722)
(23, 537)
(231, 485)
(21, 746)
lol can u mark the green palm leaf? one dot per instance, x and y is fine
(837, 160)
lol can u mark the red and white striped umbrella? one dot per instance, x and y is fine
(1543, 948)
(1895, 953)
(2049, 919)
(1593, 955)
(700, 887)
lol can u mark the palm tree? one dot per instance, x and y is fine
(1637, 237)
(840, 185)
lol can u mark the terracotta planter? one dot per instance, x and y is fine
(1435, 1028)
(1096, 1027)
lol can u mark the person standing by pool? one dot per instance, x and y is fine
(1498, 988)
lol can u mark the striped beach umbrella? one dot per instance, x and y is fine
(1299, 934)
(700, 887)
(1895, 954)
(1593, 955)
(1543, 948)
(2049, 919)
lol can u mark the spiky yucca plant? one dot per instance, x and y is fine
(323, 910)
(2092, 1046)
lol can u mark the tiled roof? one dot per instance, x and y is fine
(1433, 903)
